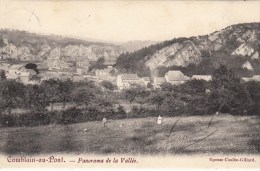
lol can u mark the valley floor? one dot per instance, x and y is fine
(225, 134)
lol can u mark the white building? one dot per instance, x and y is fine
(254, 78)
(202, 77)
(124, 81)
(14, 71)
(176, 77)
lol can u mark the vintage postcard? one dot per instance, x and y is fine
(129, 84)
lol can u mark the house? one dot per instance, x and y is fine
(245, 79)
(65, 75)
(176, 77)
(101, 78)
(202, 77)
(124, 81)
(158, 81)
(256, 78)
(42, 66)
(57, 64)
(14, 71)
(20, 73)
(105, 71)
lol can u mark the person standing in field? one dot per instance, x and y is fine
(159, 120)
(104, 121)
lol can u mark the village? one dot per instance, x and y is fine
(55, 70)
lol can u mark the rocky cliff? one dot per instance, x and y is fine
(237, 46)
(23, 46)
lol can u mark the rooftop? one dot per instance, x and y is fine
(160, 80)
(129, 77)
(106, 78)
(256, 77)
(202, 77)
(175, 75)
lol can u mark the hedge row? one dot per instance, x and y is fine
(71, 115)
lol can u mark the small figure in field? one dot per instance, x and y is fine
(104, 121)
(159, 120)
(85, 129)
(217, 113)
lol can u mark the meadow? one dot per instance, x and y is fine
(222, 134)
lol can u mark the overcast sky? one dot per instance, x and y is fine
(123, 21)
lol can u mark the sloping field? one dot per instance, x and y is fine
(222, 134)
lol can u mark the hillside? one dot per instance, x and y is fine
(236, 46)
(24, 46)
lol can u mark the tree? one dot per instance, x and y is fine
(35, 98)
(141, 101)
(253, 88)
(195, 86)
(65, 89)
(11, 95)
(228, 93)
(224, 77)
(105, 101)
(83, 96)
(157, 98)
(32, 66)
(51, 90)
(134, 91)
(172, 105)
(108, 85)
(113, 72)
(166, 86)
(99, 64)
(2, 75)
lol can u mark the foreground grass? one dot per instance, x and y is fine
(177, 135)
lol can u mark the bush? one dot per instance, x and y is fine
(7, 121)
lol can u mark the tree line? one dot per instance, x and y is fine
(226, 93)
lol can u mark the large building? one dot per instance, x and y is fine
(254, 78)
(202, 77)
(124, 81)
(20, 73)
(176, 77)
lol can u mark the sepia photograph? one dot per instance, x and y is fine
(129, 84)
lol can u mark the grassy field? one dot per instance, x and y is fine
(177, 135)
